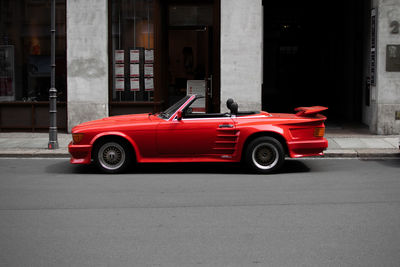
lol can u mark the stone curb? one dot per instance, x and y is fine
(343, 153)
(35, 153)
(362, 153)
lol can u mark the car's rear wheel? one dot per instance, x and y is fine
(264, 155)
(112, 156)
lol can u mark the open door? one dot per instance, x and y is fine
(189, 62)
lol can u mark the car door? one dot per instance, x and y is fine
(193, 136)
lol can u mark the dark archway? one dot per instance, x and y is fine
(313, 55)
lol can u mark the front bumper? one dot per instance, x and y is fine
(80, 154)
(307, 148)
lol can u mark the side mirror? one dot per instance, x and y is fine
(179, 115)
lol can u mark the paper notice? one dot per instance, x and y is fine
(149, 84)
(135, 84)
(135, 72)
(119, 84)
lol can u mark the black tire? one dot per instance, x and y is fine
(112, 156)
(264, 155)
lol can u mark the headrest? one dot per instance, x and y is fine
(229, 103)
(234, 108)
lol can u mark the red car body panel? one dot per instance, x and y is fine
(209, 139)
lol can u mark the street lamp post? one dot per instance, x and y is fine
(53, 142)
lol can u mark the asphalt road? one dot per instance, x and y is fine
(325, 212)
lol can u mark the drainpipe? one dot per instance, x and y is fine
(53, 142)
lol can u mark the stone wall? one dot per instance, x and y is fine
(87, 60)
(241, 53)
(385, 96)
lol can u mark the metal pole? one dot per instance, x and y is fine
(53, 142)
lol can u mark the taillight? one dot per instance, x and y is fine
(77, 137)
(319, 132)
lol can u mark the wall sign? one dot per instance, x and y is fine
(394, 25)
(393, 58)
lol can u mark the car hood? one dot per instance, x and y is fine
(115, 121)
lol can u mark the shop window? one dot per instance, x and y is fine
(132, 50)
(25, 50)
(191, 15)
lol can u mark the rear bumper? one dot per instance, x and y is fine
(307, 148)
(80, 154)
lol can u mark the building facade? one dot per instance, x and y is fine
(133, 56)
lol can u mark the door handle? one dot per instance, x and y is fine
(210, 85)
(225, 126)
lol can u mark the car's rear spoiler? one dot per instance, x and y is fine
(309, 111)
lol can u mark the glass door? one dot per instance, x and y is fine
(190, 51)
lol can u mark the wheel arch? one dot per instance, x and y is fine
(116, 136)
(275, 135)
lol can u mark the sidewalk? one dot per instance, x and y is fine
(32, 145)
(342, 144)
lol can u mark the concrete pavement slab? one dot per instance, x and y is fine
(332, 144)
(393, 141)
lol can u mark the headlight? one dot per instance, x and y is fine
(77, 137)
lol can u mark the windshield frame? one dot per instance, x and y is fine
(167, 114)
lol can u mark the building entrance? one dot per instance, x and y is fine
(192, 48)
(313, 55)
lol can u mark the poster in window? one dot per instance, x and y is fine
(119, 70)
(7, 80)
(148, 70)
(119, 84)
(149, 56)
(135, 56)
(197, 87)
(135, 84)
(149, 84)
(119, 56)
(135, 70)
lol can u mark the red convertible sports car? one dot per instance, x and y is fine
(182, 134)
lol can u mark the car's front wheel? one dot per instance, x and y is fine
(264, 155)
(112, 156)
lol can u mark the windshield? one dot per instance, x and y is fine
(171, 110)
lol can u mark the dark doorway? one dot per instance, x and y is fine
(193, 45)
(189, 59)
(313, 55)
